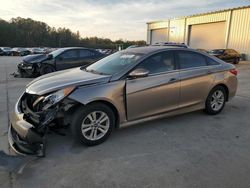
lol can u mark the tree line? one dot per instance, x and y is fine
(25, 32)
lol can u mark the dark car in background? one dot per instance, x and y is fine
(5, 51)
(228, 55)
(63, 58)
(20, 52)
(38, 51)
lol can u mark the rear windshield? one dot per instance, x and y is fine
(216, 51)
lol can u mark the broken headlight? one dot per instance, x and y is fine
(55, 97)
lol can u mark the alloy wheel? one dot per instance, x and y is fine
(217, 100)
(95, 125)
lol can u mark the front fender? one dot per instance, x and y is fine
(112, 92)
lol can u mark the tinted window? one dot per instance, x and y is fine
(158, 63)
(69, 54)
(219, 51)
(210, 61)
(85, 53)
(190, 60)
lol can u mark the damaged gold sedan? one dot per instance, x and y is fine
(128, 87)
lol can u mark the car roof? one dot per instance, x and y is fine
(70, 48)
(150, 49)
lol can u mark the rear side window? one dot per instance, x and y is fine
(190, 60)
(159, 63)
(85, 53)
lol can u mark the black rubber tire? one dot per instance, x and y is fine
(45, 69)
(208, 109)
(79, 116)
(236, 60)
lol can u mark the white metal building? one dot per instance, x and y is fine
(228, 28)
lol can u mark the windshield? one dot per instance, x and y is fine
(114, 63)
(216, 51)
(56, 52)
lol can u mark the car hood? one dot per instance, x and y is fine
(37, 58)
(62, 79)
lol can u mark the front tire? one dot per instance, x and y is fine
(45, 69)
(216, 100)
(92, 124)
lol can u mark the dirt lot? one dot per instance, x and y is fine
(191, 150)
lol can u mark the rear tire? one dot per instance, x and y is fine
(47, 69)
(216, 100)
(93, 132)
(236, 60)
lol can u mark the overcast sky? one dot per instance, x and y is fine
(113, 19)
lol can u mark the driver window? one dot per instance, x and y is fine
(70, 54)
(159, 63)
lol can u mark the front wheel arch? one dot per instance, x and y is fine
(113, 108)
(82, 112)
(44, 65)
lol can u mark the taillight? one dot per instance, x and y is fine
(234, 71)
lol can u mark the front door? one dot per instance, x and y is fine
(157, 93)
(67, 59)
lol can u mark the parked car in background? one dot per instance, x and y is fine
(38, 50)
(127, 87)
(63, 58)
(20, 52)
(133, 46)
(173, 44)
(202, 50)
(228, 55)
(6, 51)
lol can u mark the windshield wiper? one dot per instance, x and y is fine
(94, 71)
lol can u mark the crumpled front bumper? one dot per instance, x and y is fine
(26, 70)
(23, 138)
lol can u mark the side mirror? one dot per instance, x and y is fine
(138, 73)
(50, 56)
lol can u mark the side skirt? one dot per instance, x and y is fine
(163, 115)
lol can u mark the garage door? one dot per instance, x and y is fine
(207, 36)
(159, 35)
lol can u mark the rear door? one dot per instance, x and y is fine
(158, 92)
(67, 59)
(196, 77)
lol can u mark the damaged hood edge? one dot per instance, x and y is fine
(63, 79)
